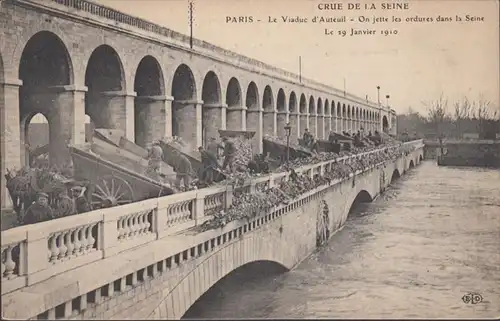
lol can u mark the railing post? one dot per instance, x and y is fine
(108, 231)
(271, 181)
(228, 196)
(36, 254)
(199, 208)
(253, 185)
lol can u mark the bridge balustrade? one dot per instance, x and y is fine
(33, 253)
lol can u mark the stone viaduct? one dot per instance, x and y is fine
(69, 58)
(147, 260)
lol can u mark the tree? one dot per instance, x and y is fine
(437, 113)
(462, 111)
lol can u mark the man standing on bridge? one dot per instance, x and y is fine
(229, 153)
(182, 169)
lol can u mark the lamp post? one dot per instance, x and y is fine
(378, 95)
(387, 99)
(288, 130)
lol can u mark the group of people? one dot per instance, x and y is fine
(183, 167)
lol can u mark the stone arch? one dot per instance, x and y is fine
(269, 117)
(2, 77)
(303, 104)
(320, 120)
(312, 117)
(35, 134)
(267, 99)
(45, 65)
(105, 80)
(395, 175)
(420, 158)
(339, 110)
(363, 196)
(233, 93)
(411, 165)
(234, 114)
(319, 107)
(205, 283)
(211, 90)
(252, 97)
(184, 105)
(326, 108)
(385, 123)
(149, 86)
(282, 117)
(292, 103)
(212, 107)
(281, 100)
(327, 120)
(239, 275)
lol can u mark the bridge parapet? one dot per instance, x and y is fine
(115, 18)
(34, 253)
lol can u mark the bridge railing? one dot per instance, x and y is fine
(120, 17)
(36, 252)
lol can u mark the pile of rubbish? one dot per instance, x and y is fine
(247, 206)
(243, 153)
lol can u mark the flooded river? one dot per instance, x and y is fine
(414, 252)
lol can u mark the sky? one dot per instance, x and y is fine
(418, 64)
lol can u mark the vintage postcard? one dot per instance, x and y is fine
(220, 159)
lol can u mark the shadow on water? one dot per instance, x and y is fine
(249, 277)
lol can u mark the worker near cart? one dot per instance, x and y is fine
(209, 163)
(39, 211)
(229, 153)
(182, 170)
(213, 147)
(155, 158)
(307, 138)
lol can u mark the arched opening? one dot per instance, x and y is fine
(420, 158)
(281, 117)
(360, 199)
(89, 128)
(395, 175)
(320, 120)
(344, 118)
(253, 116)
(212, 108)
(269, 119)
(44, 68)
(105, 100)
(304, 118)
(184, 106)
(385, 124)
(36, 138)
(411, 164)
(149, 109)
(235, 115)
(293, 117)
(348, 118)
(229, 289)
(355, 119)
(328, 118)
(312, 117)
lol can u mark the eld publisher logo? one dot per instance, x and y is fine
(472, 298)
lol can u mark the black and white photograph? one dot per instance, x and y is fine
(250, 159)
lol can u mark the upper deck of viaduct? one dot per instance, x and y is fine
(77, 30)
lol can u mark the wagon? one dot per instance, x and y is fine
(278, 150)
(171, 147)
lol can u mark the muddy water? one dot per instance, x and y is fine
(412, 253)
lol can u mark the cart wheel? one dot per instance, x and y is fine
(111, 191)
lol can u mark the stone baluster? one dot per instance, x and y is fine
(10, 265)
(120, 226)
(69, 242)
(62, 247)
(90, 238)
(77, 243)
(83, 240)
(54, 249)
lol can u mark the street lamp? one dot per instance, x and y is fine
(288, 130)
(387, 99)
(378, 95)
